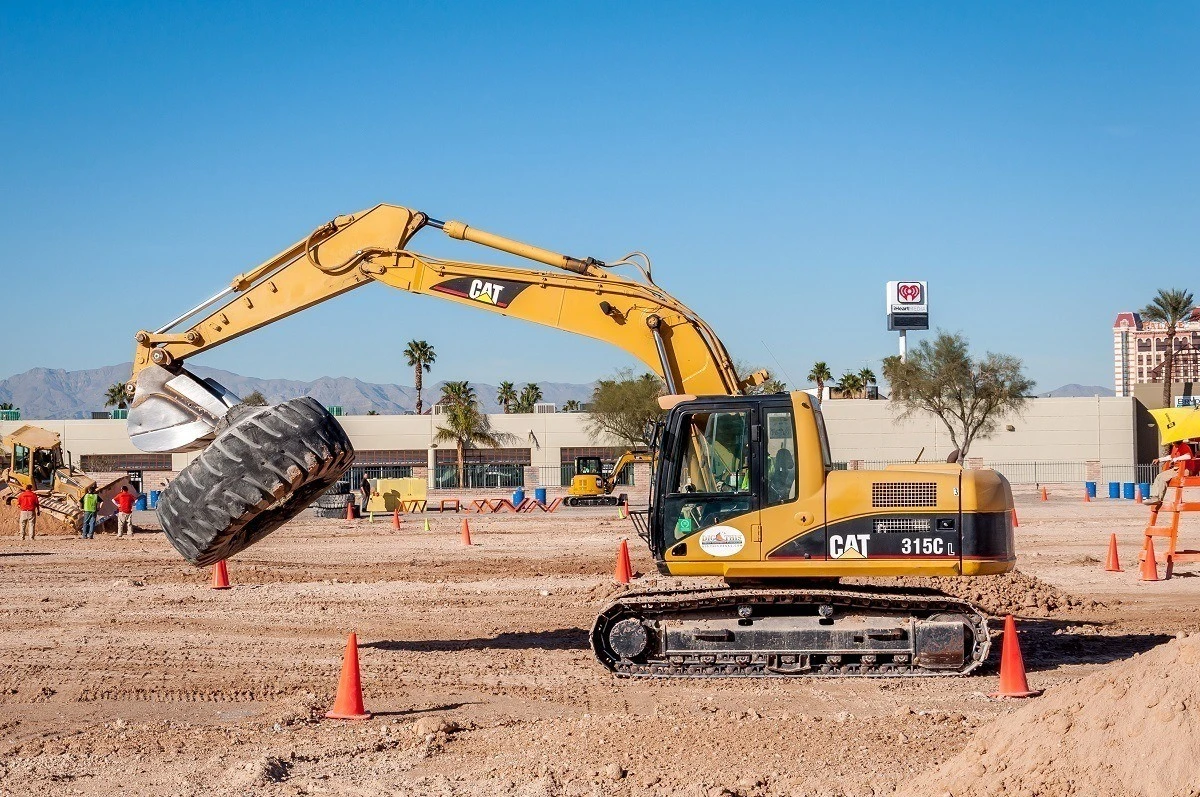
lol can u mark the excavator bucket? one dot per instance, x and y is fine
(173, 410)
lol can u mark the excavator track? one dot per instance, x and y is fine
(768, 632)
(64, 509)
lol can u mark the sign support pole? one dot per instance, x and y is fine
(904, 345)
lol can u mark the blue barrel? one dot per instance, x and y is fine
(154, 494)
(1114, 489)
(518, 496)
(1091, 489)
(140, 503)
(539, 495)
(1128, 491)
(1145, 487)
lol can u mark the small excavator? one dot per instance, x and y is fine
(34, 457)
(743, 485)
(591, 486)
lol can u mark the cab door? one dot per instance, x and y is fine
(708, 505)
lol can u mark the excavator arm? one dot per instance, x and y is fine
(172, 410)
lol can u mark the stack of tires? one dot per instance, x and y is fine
(333, 503)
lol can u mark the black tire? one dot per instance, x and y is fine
(263, 469)
(340, 488)
(339, 514)
(334, 502)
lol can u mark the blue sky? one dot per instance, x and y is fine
(1038, 164)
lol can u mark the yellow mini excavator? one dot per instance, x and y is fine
(743, 486)
(590, 486)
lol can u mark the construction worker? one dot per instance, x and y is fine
(1180, 462)
(91, 504)
(365, 487)
(124, 501)
(30, 508)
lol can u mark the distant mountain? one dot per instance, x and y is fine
(43, 393)
(1077, 391)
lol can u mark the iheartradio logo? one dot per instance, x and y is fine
(909, 292)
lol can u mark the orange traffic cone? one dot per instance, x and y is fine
(350, 510)
(1014, 514)
(466, 533)
(396, 519)
(1087, 499)
(1012, 666)
(348, 705)
(1113, 565)
(1137, 493)
(220, 576)
(1149, 563)
(1046, 495)
(624, 571)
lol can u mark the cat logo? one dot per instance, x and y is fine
(852, 546)
(494, 293)
(488, 292)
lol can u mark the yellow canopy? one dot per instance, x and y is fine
(1177, 423)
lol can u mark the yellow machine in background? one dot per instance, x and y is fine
(590, 486)
(35, 457)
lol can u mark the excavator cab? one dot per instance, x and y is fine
(589, 485)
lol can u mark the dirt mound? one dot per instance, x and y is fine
(1010, 593)
(47, 524)
(1132, 728)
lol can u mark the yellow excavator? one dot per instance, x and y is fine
(591, 486)
(743, 485)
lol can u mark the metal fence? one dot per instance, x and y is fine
(480, 475)
(356, 473)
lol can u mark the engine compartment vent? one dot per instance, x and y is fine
(903, 494)
(902, 525)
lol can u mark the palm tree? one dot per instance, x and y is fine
(372, 412)
(1169, 307)
(420, 355)
(467, 427)
(820, 374)
(7, 406)
(458, 393)
(868, 378)
(571, 405)
(531, 394)
(115, 396)
(506, 396)
(773, 385)
(849, 384)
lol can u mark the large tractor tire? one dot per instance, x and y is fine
(266, 465)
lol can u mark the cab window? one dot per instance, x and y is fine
(712, 480)
(20, 459)
(781, 457)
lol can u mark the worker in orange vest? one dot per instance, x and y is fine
(30, 508)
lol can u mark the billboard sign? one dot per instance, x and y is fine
(907, 304)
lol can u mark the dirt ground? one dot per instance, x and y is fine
(121, 670)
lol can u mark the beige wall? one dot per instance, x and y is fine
(1050, 429)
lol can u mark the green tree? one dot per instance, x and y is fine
(571, 405)
(372, 412)
(255, 399)
(623, 406)
(465, 425)
(116, 396)
(506, 396)
(531, 394)
(1169, 307)
(967, 395)
(820, 374)
(850, 385)
(772, 385)
(420, 356)
(8, 406)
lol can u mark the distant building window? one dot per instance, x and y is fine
(102, 463)
(411, 456)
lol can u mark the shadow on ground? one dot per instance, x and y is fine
(1047, 644)
(559, 639)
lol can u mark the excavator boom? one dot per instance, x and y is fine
(173, 410)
